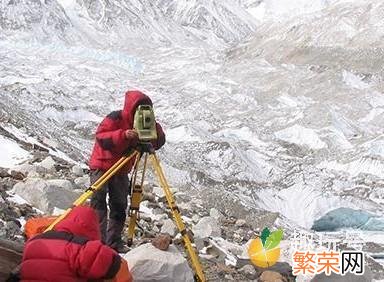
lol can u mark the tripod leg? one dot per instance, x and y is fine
(177, 217)
(95, 186)
(133, 212)
(135, 202)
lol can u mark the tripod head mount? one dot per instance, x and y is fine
(145, 147)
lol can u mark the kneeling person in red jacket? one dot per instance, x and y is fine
(71, 252)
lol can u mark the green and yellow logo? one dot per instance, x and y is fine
(265, 250)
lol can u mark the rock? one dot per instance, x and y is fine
(153, 205)
(185, 208)
(215, 214)
(159, 192)
(271, 276)
(145, 218)
(228, 277)
(238, 238)
(226, 251)
(183, 197)
(149, 197)
(149, 234)
(249, 271)
(25, 209)
(375, 267)
(6, 184)
(10, 256)
(7, 212)
(284, 268)
(147, 187)
(350, 277)
(148, 263)
(17, 211)
(3, 232)
(169, 227)
(4, 172)
(82, 182)
(45, 196)
(162, 241)
(240, 222)
(158, 211)
(17, 175)
(24, 168)
(77, 170)
(12, 228)
(207, 227)
(60, 183)
(195, 218)
(34, 174)
(48, 163)
(156, 229)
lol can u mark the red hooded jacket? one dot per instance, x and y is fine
(72, 252)
(111, 142)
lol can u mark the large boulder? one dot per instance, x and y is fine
(46, 194)
(147, 263)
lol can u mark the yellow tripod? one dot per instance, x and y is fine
(136, 196)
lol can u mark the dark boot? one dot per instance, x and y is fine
(115, 228)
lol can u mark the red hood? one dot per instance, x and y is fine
(81, 221)
(133, 99)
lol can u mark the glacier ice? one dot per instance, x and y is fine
(347, 218)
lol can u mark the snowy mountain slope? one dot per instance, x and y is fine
(345, 34)
(225, 19)
(44, 19)
(273, 122)
(162, 23)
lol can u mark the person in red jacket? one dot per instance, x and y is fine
(71, 252)
(114, 136)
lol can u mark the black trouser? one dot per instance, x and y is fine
(117, 187)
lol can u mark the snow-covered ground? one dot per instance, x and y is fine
(11, 153)
(276, 104)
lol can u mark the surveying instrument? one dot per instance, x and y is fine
(145, 126)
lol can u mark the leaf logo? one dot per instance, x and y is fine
(265, 251)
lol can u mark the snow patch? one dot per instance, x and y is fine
(301, 136)
(314, 203)
(181, 134)
(280, 10)
(354, 81)
(11, 79)
(258, 12)
(376, 148)
(336, 138)
(16, 199)
(362, 165)
(372, 115)
(11, 153)
(69, 115)
(24, 137)
(239, 134)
